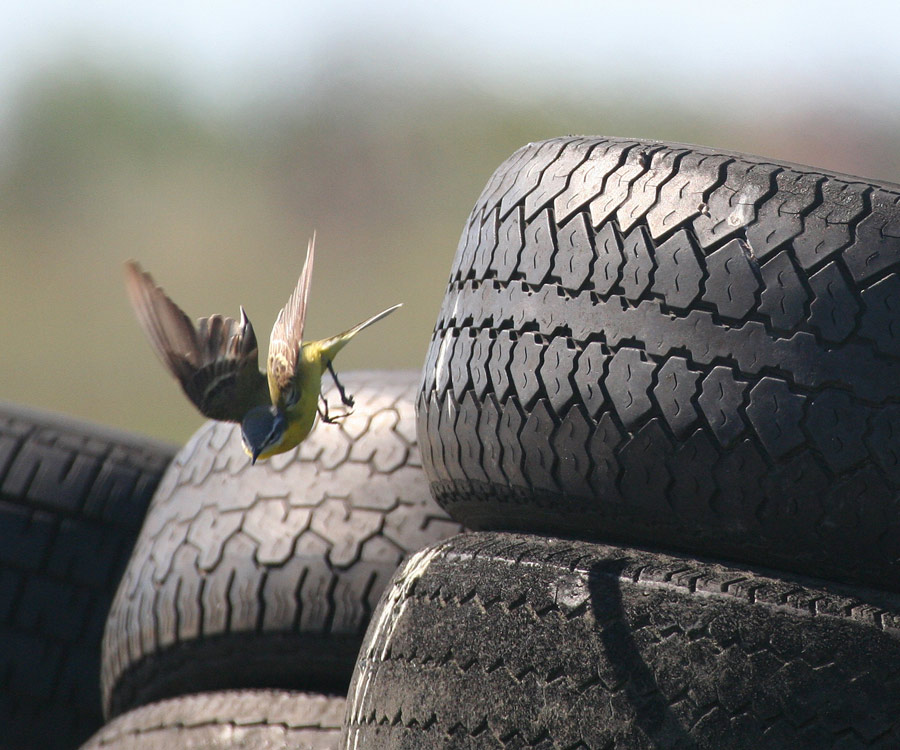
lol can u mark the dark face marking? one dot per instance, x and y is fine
(261, 428)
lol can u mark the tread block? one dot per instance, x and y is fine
(510, 243)
(570, 443)
(556, 371)
(775, 413)
(449, 438)
(502, 179)
(642, 480)
(459, 363)
(881, 315)
(527, 176)
(478, 364)
(732, 284)
(604, 452)
(526, 363)
(487, 245)
(51, 476)
(468, 245)
(537, 433)
(471, 448)
(877, 245)
(679, 275)
(617, 185)
(608, 247)
(837, 427)
(733, 204)
(442, 370)
(536, 259)
(827, 226)
(682, 197)
(784, 298)
(574, 253)
(645, 190)
(693, 485)
(721, 395)
(638, 268)
(589, 376)
(587, 179)
(501, 357)
(780, 218)
(675, 392)
(488, 433)
(834, 309)
(628, 383)
(509, 428)
(555, 177)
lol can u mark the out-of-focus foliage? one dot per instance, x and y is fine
(219, 208)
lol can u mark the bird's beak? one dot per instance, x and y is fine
(253, 456)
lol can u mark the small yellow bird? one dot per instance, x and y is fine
(216, 363)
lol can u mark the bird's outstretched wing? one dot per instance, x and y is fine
(216, 363)
(287, 333)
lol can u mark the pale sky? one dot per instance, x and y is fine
(222, 51)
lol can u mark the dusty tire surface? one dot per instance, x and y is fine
(675, 346)
(72, 499)
(265, 576)
(232, 720)
(502, 640)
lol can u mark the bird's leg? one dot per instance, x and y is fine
(325, 416)
(345, 399)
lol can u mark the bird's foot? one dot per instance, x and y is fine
(329, 418)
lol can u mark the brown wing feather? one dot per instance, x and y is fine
(216, 363)
(287, 333)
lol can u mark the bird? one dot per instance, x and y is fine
(216, 363)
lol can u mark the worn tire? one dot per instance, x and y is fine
(266, 575)
(675, 346)
(507, 641)
(72, 499)
(228, 720)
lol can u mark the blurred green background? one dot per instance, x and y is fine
(208, 141)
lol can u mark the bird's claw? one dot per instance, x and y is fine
(328, 418)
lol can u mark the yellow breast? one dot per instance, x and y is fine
(302, 415)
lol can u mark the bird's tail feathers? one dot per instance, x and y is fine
(331, 346)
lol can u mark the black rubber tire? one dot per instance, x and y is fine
(498, 640)
(228, 720)
(669, 345)
(265, 576)
(72, 498)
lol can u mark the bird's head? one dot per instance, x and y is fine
(262, 430)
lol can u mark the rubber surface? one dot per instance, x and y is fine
(232, 720)
(495, 640)
(266, 575)
(675, 346)
(72, 498)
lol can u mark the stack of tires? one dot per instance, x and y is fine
(663, 392)
(664, 388)
(234, 618)
(242, 609)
